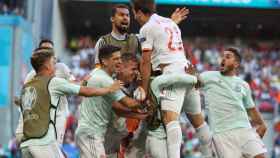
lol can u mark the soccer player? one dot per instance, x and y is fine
(96, 112)
(230, 104)
(129, 43)
(156, 143)
(119, 133)
(40, 98)
(162, 48)
(229, 101)
(62, 71)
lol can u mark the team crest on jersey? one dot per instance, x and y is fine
(28, 98)
(142, 39)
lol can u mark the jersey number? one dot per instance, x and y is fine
(174, 40)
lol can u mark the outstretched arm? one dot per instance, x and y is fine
(124, 111)
(90, 91)
(129, 102)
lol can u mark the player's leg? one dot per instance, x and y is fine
(114, 155)
(224, 145)
(171, 103)
(156, 148)
(60, 128)
(114, 134)
(61, 118)
(172, 98)
(135, 152)
(138, 144)
(250, 143)
(90, 147)
(259, 156)
(192, 107)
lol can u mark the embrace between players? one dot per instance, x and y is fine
(128, 121)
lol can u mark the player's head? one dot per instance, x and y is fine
(46, 43)
(43, 60)
(143, 9)
(110, 57)
(129, 68)
(120, 18)
(231, 60)
(63, 71)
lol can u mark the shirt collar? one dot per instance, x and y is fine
(119, 36)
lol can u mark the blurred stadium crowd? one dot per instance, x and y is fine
(10, 7)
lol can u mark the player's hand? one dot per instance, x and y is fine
(141, 111)
(190, 69)
(116, 86)
(141, 116)
(127, 140)
(199, 82)
(17, 101)
(150, 107)
(261, 129)
(180, 14)
(85, 80)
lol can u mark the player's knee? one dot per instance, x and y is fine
(169, 116)
(259, 156)
(204, 134)
(192, 103)
(196, 119)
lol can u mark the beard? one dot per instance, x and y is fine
(122, 29)
(227, 69)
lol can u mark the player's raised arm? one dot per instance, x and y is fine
(145, 68)
(89, 91)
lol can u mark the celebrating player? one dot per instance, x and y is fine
(40, 98)
(230, 105)
(162, 48)
(96, 112)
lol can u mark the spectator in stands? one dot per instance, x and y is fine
(46, 43)
(5, 9)
(80, 63)
(276, 147)
(10, 8)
